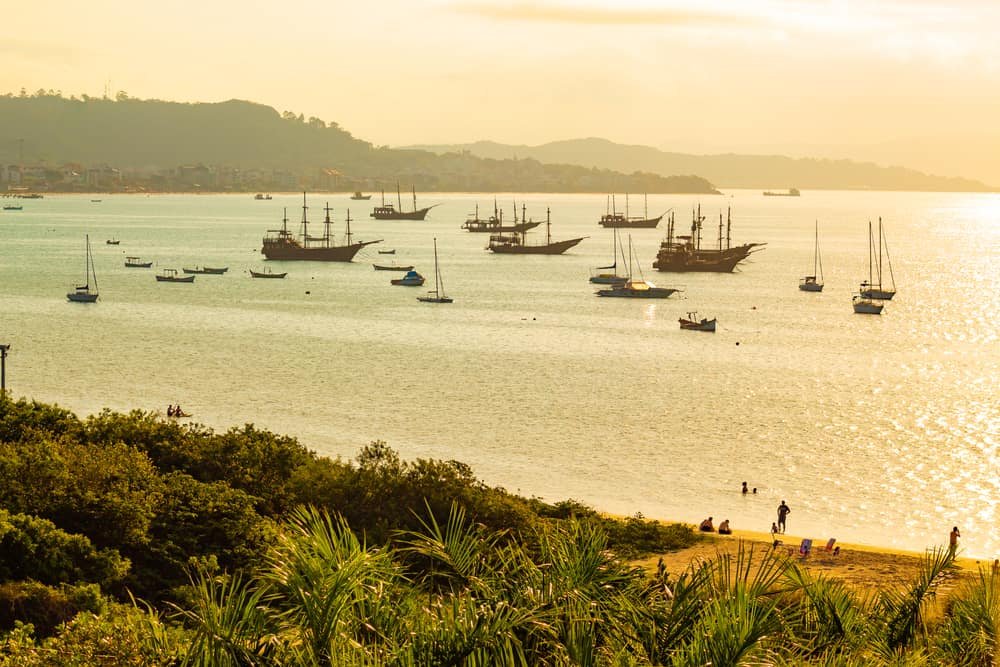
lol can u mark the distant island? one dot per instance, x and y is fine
(725, 171)
(49, 142)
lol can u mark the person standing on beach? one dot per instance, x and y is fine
(783, 511)
(745, 490)
(953, 540)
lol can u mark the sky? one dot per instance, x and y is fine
(909, 82)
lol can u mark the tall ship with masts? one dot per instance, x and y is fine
(494, 224)
(612, 218)
(684, 253)
(390, 212)
(282, 244)
(516, 243)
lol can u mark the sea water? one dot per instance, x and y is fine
(874, 429)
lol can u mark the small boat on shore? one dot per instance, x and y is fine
(207, 270)
(391, 267)
(267, 273)
(411, 279)
(136, 263)
(692, 323)
(171, 276)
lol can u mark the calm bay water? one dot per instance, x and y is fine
(881, 430)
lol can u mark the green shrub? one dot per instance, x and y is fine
(45, 607)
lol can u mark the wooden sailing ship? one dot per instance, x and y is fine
(281, 244)
(390, 212)
(683, 253)
(494, 224)
(612, 218)
(515, 243)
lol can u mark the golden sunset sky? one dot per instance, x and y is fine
(911, 82)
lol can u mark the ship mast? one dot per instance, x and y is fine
(729, 227)
(305, 222)
(399, 200)
(720, 230)
(326, 226)
(414, 197)
(348, 226)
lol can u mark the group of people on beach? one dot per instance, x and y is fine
(707, 526)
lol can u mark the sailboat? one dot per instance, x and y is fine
(515, 244)
(437, 295)
(866, 304)
(875, 291)
(83, 293)
(615, 219)
(390, 212)
(609, 278)
(814, 283)
(636, 289)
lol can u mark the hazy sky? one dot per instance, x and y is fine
(914, 82)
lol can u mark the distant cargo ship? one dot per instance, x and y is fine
(792, 192)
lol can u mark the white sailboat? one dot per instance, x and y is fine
(600, 276)
(876, 291)
(437, 295)
(814, 283)
(866, 304)
(84, 293)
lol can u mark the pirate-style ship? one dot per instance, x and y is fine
(683, 253)
(282, 244)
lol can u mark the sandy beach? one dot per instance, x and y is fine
(860, 566)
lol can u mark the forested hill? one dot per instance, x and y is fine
(726, 170)
(47, 129)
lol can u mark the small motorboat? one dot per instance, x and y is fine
(171, 276)
(387, 252)
(112, 241)
(12, 207)
(411, 279)
(692, 323)
(266, 273)
(261, 197)
(391, 267)
(136, 263)
(207, 270)
(95, 201)
(357, 196)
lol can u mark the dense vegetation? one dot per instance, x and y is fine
(726, 170)
(157, 136)
(250, 550)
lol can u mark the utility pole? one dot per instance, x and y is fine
(3, 371)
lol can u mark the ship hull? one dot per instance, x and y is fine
(556, 248)
(288, 252)
(637, 223)
(482, 227)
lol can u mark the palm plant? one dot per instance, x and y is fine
(970, 634)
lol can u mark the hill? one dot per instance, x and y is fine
(726, 170)
(47, 130)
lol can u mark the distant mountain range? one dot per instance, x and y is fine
(47, 131)
(725, 170)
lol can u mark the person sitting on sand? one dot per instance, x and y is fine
(774, 529)
(178, 412)
(724, 528)
(706, 526)
(170, 410)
